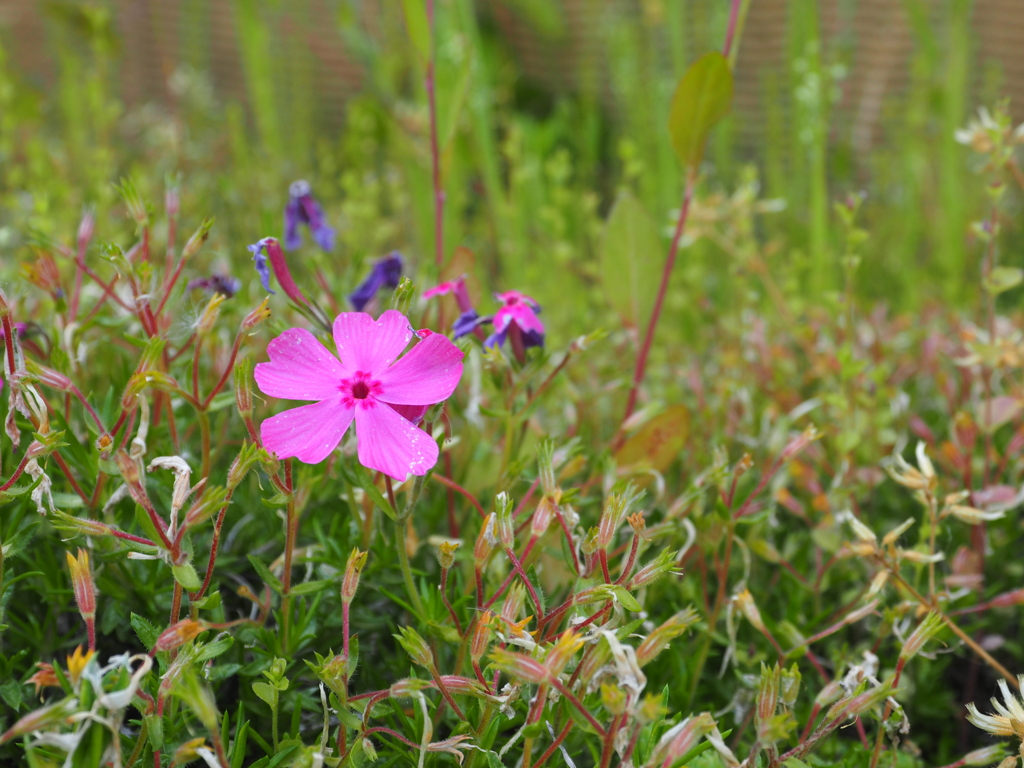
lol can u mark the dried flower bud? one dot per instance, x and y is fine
(971, 515)
(542, 517)
(1013, 597)
(504, 528)
(860, 530)
(832, 692)
(402, 296)
(86, 227)
(659, 639)
(561, 653)
(209, 317)
(546, 468)
(213, 500)
(637, 523)
(678, 740)
(921, 558)
(198, 238)
(892, 536)
(767, 702)
(408, 687)
(789, 685)
(611, 519)
(664, 563)
(464, 686)
(877, 583)
(481, 636)
(485, 541)
(927, 629)
(520, 666)
(81, 580)
(177, 635)
(49, 377)
(415, 646)
(243, 390)
(257, 316)
(446, 553)
(986, 756)
(515, 599)
(613, 698)
(42, 719)
(353, 569)
(745, 602)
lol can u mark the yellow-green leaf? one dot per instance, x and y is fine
(702, 98)
(658, 442)
(419, 27)
(630, 254)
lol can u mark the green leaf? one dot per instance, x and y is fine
(264, 573)
(372, 490)
(215, 649)
(1002, 279)
(310, 587)
(626, 600)
(145, 630)
(702, 98)
(419, 27)
(186, 576)
(630, 253)
(266, 692)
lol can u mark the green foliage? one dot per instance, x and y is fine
(755, 578)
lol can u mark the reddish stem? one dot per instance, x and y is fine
(659, 302)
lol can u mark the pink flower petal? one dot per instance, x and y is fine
(413, 413)
(300, 368)
(427, 374)
(390, 444)
(309, 432)
(441, 289)
(523, 316)
(369, 345)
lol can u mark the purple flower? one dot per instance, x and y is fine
(222, 284)
(521, 311)
(466, 323)
(385, 272)
(303, 209)
(267, 253)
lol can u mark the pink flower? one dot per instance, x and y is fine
(519, 310)
(370, 384)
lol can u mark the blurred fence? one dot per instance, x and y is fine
(558, 44)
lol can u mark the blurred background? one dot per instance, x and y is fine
(548, 109)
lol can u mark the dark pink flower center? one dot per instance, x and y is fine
(361, 387)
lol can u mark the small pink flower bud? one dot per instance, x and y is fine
(485, 541)
(542, 517)
(81, 580)
(177, 635)
(520, 666)
(86, 227)
(407, 687)
(611, 519)
(481, 636)
(353, 568)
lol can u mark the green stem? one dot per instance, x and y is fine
(401, 522)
